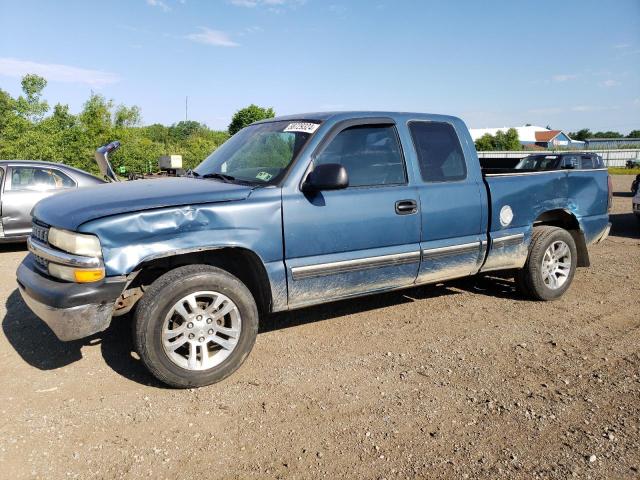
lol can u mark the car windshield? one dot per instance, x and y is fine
(538, 162)
(258, 154)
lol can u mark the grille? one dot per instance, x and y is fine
(41, 233)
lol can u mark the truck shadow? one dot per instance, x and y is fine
(13, 247)
(37, 345)
(624, 225)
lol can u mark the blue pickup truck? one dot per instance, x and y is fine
(297, 211)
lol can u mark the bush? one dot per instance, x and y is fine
(26, 133)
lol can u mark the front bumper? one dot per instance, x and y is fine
(74, 322)
(71, 310)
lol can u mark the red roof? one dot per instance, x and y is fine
(546, 136)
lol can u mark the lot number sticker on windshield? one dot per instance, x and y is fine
(264, 176)
(304, 127)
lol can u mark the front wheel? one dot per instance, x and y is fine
(195, 326)
(550, 266)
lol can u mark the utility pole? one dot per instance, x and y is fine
(186, 108)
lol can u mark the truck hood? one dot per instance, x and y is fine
(71, 209)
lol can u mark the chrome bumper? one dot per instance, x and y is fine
(74, 322)
(63, 258)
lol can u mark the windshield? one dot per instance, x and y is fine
(538, 162)
(259, 154)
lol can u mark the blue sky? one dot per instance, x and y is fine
(568, 64)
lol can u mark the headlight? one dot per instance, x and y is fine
(77, 243)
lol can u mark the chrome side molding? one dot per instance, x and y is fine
(332, 268)
(508, 240)
(440, 252)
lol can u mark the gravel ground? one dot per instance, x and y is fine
(461, 380)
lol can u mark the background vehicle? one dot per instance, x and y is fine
(577, 161)
(297, 211)
(543, 162)
(25, 182)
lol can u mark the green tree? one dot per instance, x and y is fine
(485, 143)
(95, 117)
(500, 141)
(581, 134)
(507, 140)
(608, 134)
(30, 106)
(246, 116)
(127, 116)
(182, 130)
(28, 131)
(634, 134)
(7, 108)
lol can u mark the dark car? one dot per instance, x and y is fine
(574, 161)
(23, 183)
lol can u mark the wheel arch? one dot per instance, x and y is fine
(241, 262)
(566, 220)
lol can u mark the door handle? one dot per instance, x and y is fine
(406, 207)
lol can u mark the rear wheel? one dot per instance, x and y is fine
(550, 266)
(195, 326)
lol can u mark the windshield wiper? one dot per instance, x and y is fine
(227, 178)
(220, 176)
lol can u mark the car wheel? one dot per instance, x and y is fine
(195, 325)
(550, 266)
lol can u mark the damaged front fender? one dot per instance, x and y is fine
(130, 239)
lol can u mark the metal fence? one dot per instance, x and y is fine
(612, 158)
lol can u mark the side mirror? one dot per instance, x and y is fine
(328, 176)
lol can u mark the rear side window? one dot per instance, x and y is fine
(369, 153)
(39, 179)
(439, 152)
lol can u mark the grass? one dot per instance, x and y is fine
(624, 171)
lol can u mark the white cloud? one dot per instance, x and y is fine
(212, 37)
(563, 77)
(609, 83)
(583, 108)
(160, 4)
(13, 67)
(266, 3)
(622, 45)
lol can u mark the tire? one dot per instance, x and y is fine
(534, 280)
(176, 302)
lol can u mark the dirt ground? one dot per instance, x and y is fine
(461, 380)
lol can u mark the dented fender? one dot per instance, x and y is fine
(130, 239)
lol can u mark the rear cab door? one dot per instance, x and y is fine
(453, 198)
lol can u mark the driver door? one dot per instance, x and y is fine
(357, 240)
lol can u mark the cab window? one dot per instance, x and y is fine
(439, 152)
(370, 154)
